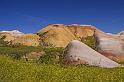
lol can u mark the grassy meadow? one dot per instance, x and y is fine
(12, 70)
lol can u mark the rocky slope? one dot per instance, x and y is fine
(18, 37)
(60, 35)
(110, 45)
(79, 53)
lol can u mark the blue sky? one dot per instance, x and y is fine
(31, 15)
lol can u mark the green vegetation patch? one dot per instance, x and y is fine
(18, 52)
(90, 41)
(52, 55)
(20, 71)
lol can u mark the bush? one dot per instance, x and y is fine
(51, 56)
(2, 42)
(43, 39)
(18, 52)
(90, 41)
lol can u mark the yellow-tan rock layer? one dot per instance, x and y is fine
(24, 39)
(60, 35)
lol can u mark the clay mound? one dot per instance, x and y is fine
(28, 40)
(9, 37)
(60, 35)
(79, 53)
(110, 45)
(21, 38)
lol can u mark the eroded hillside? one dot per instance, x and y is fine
(60, 35)
(21, 38)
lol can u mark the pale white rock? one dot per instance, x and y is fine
(79, 53)
(13, 32)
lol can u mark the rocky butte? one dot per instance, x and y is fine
(110, 45)
(60, 35)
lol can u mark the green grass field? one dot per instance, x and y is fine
(20, 71)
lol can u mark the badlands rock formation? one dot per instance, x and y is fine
(121, 33)
(28, 40)
(79, 53)
(19, 37)
(60, 35)
(110, 45)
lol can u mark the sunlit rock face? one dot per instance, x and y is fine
(28, 40)
(60, 35)
(78, 53)
(16, 37)
(110, 45)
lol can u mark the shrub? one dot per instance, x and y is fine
(15, 44)
(43, 39)
(51, 56)
(18, 52)
(90, 41)
(2, 42)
